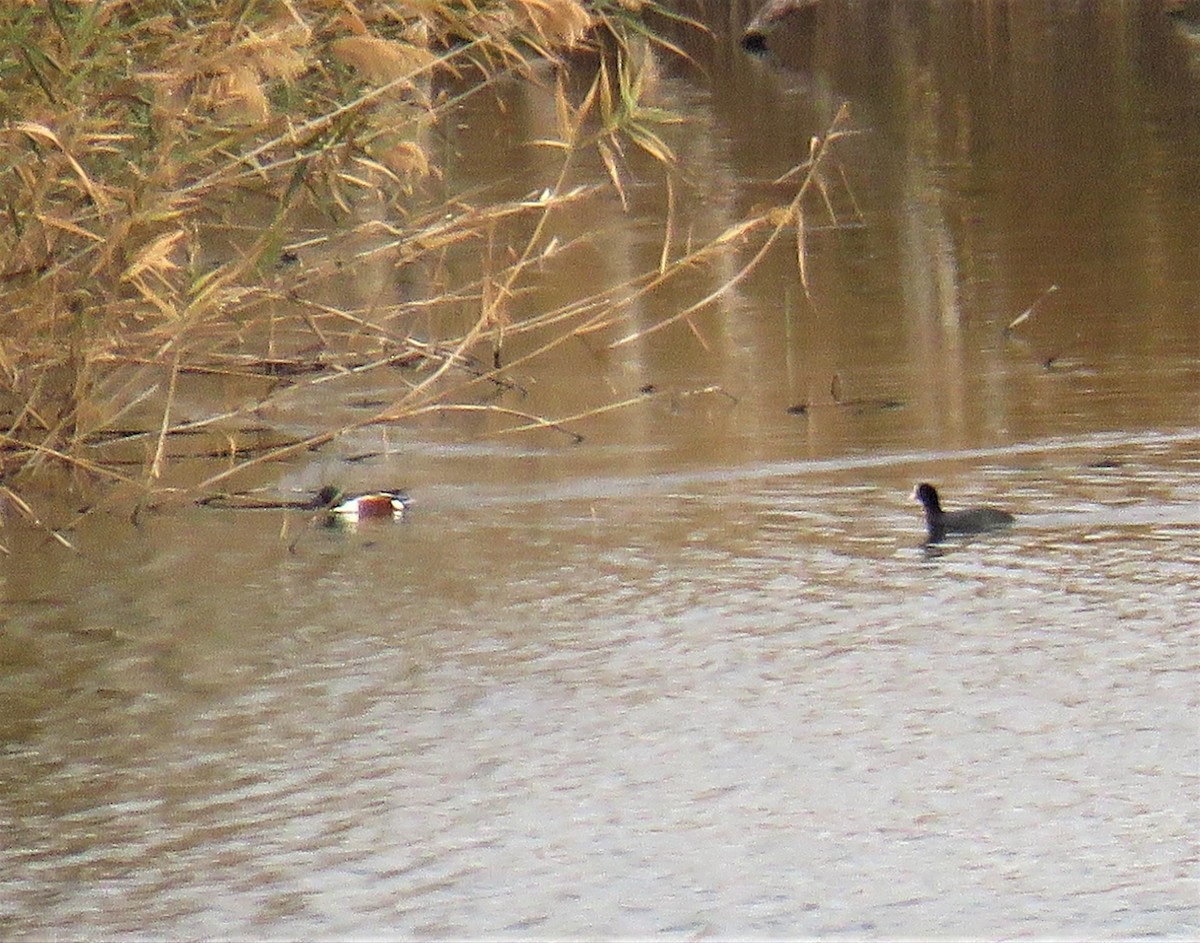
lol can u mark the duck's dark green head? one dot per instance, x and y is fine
(327, 496)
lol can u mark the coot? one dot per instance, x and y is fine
(939, 523)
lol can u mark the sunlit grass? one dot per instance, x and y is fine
(163, 166)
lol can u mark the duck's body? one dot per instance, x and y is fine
(372, 505)
(939, 523)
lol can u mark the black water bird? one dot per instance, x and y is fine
(769, 15)
(939, 523)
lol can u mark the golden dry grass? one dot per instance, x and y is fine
(162, 166)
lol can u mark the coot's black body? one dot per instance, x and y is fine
(939, 523)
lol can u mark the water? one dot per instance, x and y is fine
(697, 675)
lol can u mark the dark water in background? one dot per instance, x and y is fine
(695, 675)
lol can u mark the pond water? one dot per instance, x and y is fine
(697, 675)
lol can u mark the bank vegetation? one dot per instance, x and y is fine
(188, 187)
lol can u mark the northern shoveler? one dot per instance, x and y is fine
(357, 507)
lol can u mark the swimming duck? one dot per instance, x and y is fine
(356, 507)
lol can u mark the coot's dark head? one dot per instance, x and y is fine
(928, 496)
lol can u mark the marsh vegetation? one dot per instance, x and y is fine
(249, 198)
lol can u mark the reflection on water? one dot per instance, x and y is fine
(695, 675)
(748, 705)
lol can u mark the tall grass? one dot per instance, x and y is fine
(164, 164)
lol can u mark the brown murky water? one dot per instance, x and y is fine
(696, 676)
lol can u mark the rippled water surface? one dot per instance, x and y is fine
(720, 707)
(698, 675)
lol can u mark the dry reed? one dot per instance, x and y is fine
(161, 174)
